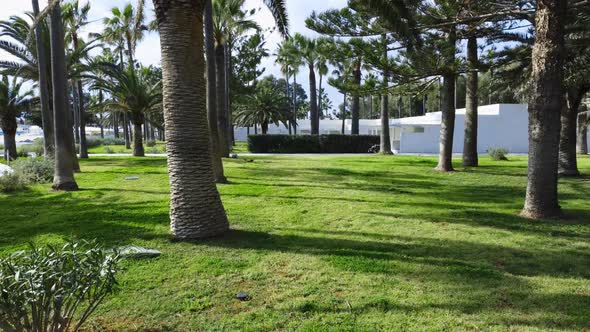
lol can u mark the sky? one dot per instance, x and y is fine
(148, 51)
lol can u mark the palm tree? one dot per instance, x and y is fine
(76, 17)
(212, 93)
(544, 110)
(229, 20)
(307, 50)
(196, 210)
(290, 61)
(267, 105)
(133, 92)
(13, 102)
(43, 68)
(65, 154)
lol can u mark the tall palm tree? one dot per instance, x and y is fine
(212, 93)
(132, 91)
(544, 110)
(196, 210)
(290, 61)
(76, 17)
(43, 68)
(229, 20)
(13, 102)
(307, 49)
(65, 154)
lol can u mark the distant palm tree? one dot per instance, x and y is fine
(196, 210)
(13, 102)
(290, 61)
(267, 105)
(132, 91)
(307, 49)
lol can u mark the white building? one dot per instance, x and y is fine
(499, 126)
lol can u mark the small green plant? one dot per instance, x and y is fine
(498, 153)
(55, 290)
(34, 170)
(12, 182)
(150, 143)
(34, 148)
(108, 150)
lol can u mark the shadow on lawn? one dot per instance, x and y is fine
(484, 277)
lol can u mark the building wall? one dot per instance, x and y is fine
(500, 126)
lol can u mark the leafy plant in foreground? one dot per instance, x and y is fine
(53, 290)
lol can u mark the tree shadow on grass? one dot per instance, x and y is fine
(486, 277)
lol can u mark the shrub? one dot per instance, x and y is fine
(34, 170)
(113, 141)
(311, 143)
(11, 182)
(498, 153)
(37, 147)
(109, 150)
(52, 289)
(153, 150)
(150, 143)
(93, 142)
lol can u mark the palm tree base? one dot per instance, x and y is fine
(539, 214)
(66, 186)
(198, 235)
(444, 169)
(569, 172)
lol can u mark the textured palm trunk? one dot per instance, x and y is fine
(320, 95)
(568, 163)
(222, 120)
(75, 114)
(470, 157)
(582, 139)
(344, 115)
(116, 125)
(356, 105)
(9, 127)
(545, 106)
(196, 210)
(211, 95)
(44, 68)
(264, 127)
(138, 150)
(64, 139)
(313, 102)
(447, 128)
(230, 127)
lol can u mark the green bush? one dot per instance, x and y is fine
(52, 289)
(34, 170)
(93, 142)
(150, 143)
(37, 147)
(498, 153)
(108, 150)
(12, 182)
(153, 150)
(311, 143)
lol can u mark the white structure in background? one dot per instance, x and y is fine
(499, 126)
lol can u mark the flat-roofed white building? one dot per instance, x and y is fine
(499, 126)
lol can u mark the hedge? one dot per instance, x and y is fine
(311, 143)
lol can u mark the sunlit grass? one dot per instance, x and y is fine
(329, 243)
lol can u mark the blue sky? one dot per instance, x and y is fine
(148, 51)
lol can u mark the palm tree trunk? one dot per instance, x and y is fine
(447, 127)
(264, 127)
(230, 126)
(9, 127)
(222, 120)
(385, 147)
(211, 95)
(544, 111)
(582, 144)
(294, 116)
(568, 163)
(116, 125)
(320, 95)
(344, 115)
(64, 139)
(313, 102)
(138, 150)
(75, 113)
(356, 103)
(470, 157)
(196, 210)
(83, 145)
(126, 131)
(46, 114)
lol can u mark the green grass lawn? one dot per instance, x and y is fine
(159, 148)
(329, 244)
